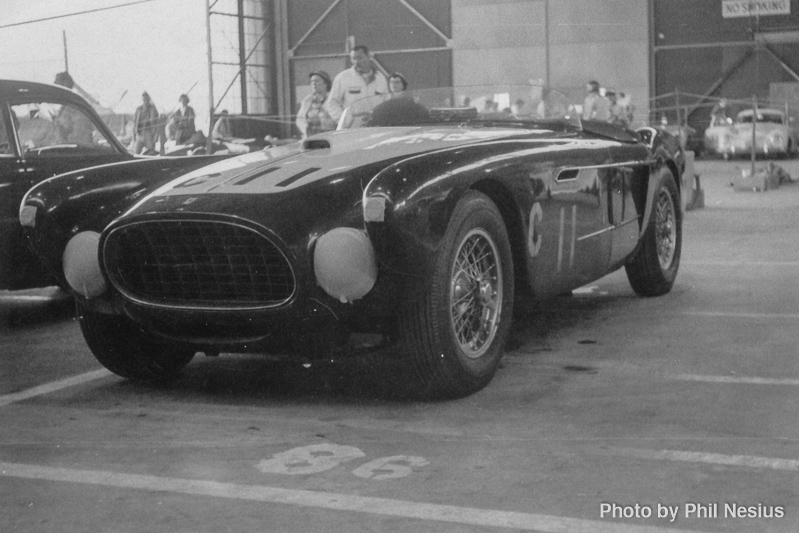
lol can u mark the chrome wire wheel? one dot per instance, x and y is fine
(476, 293)
(665, 229)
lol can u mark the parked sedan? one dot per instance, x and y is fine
(421, 219)
(47, 130)
(44, 130)
(772, 134)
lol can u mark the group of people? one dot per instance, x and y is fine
(612, 108)
(323, 107)
(321, 110)
(149, 126)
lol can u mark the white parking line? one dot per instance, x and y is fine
(24, 298)
(727, 314)
(52, 387)
(743, 380)
(750, 461)
(742, 263)
(328, 500)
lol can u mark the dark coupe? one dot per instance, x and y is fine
(422, 218)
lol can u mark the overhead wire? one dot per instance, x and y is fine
(65, 15)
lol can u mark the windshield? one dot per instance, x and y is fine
(745, 117)
(504, 105)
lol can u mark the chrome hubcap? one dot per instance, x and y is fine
(476, 293)
(665, 229)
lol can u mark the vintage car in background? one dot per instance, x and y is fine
(421, 219)
(774, 135)
(44, 130)
(47, 130)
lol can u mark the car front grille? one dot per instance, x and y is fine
(206, 264)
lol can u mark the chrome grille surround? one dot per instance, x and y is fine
(197, 263)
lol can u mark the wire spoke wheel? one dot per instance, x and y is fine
(653, 268)
(475, 293)
(454, 333)
(665, 229)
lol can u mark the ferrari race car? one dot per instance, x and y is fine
(773, 135)
(421, 219)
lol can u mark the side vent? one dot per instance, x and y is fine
(568, 174)
(315, 144)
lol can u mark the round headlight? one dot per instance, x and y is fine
(345, 264)
(82, 266)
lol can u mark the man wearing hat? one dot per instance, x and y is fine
(145, 123)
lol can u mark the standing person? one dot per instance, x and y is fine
(397, 83)
(359, 81)
(222, 130)
(616, 114)
(183, 120)
(718, 116)
(595, 106)
(313, 117)
(626, 102)
(145, 125)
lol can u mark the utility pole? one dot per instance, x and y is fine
(66, 57)
(210, 141)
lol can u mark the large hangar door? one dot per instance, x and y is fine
(413, 37)
(711, 50)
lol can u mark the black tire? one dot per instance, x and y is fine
(455, 335)
(653, 269)
(129, 352)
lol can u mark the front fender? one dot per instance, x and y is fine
(666, 154)
(408, 207)
(89, 199)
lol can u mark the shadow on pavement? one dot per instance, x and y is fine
(19, 309)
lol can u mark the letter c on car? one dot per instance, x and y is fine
(533, 236)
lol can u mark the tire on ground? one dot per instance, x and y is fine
(653, 269)
(129, 352)
(454, 336)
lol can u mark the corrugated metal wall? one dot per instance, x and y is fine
(437, 42)
(407, 36)
(645, 48)
(564, 42)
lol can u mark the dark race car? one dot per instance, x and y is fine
(422, 218)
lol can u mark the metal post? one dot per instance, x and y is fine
(209, 143)
(754, 127)
(66, 56)
(546, 42)
(242, 59)
(679, 118)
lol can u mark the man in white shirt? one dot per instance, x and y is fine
(357, 82)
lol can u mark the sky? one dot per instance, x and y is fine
(159, 46)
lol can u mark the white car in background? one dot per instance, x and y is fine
(773, 135)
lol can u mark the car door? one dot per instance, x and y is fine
(630, 163)
(568, 241)
(45, 137)
(14, 183)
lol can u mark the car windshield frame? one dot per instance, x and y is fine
(506, 106)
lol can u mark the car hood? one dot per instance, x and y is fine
(286, 168)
